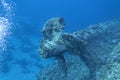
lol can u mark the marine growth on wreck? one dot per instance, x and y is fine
(92, 53)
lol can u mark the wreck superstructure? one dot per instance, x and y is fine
(98, 46)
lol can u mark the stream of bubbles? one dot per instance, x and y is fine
(5, 28)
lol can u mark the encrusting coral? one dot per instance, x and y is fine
(97, 47)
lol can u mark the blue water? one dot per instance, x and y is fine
(22, 20)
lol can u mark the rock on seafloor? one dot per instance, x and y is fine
(94, 53)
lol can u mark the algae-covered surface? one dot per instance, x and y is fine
(94, 54)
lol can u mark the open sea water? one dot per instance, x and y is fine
(22, 20)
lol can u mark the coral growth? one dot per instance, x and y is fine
(97, 50)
